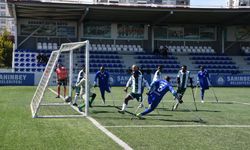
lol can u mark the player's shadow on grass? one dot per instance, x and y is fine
(125, 117)
(222, 103)
(101, 112)
(186, 110)
(175, 120)
(163, 109)
(160, 115)
(110, 106)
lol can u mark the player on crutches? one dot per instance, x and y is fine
(203, 81)
(136, 81)
(182, 81)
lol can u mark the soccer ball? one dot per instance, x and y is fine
(67, 99)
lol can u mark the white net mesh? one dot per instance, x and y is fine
(45, 102)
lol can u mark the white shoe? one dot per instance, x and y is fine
(202, 101)
(141, 105)
(175, 106)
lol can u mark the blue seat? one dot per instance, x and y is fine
(16, 55)
(22, 65)
(21, 55)
(33, 64)
(95, 65)
(27, 64)
(33, 55)
(39, 65)
(16, 64)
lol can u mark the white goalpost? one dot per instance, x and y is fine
(41, 99)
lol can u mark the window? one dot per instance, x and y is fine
(2, 13)
(2, 6)
(130, 31)
(97, 29)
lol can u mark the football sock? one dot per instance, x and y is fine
(124, 106)
(76, 98)
(92, 98)
(58, 91)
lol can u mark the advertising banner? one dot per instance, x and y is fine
(122, 79)
(17, 79)
(230, 80)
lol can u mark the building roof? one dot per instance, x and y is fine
(149, 14)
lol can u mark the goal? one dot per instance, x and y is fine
(44, 102)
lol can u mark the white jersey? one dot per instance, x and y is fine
(81, 78)
(137, 84)
(183, 78)
(81, 75)
(157, 76)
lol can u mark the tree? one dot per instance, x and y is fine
(6, 49)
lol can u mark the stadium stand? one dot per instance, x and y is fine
(25, 60)
(116, 48)
(189, 49)
(149, 61)
(215, 63)
(246, 49)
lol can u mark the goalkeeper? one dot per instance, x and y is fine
(80, 89)
(157, 90)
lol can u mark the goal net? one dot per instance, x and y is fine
(45, 102)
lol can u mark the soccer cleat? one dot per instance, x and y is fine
(80, 109)
(121, 111)
(75, 104)
(202, 101)
(139, 115)
(58, 96)
(180, 101)
(103, 101)
(141, 105)
(175, 106)
(90, 105)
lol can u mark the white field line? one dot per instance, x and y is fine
(179, 126)
(82, 113)
(240, 103)
(103, 129)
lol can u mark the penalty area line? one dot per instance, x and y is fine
(104, 130)
(179, 126)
